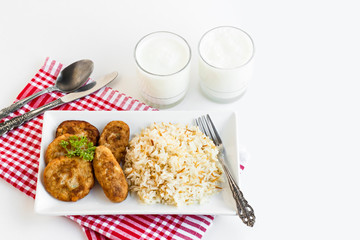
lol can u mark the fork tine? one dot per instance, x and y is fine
(217, 136)
(197, 121)
(209, 130)
(203, 126)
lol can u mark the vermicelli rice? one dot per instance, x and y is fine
(172, 164)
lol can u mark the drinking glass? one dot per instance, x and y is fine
(225, 63)
(163, 66)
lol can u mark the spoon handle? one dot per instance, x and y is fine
(17, 121)
(15, 106)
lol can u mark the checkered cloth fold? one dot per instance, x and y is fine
(20, 152)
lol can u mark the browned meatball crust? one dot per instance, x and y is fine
(68, 179)
(79, 128)
(115, 136)
(55, 150)
(109, 174)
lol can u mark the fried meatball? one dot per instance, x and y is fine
(68, 179)
(55, 150)
(110, 175)
(115, 136)
(79, 128)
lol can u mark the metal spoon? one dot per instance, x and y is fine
(70, 79)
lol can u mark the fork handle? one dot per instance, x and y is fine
(245, 211)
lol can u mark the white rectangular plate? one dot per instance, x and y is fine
(96, 203)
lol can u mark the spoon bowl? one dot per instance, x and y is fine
(69, 80)
(74, 76)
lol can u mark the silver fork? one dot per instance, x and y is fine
(245, 211)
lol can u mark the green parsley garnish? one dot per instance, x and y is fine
(79, 147)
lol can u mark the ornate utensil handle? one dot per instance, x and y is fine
(245, 211)
(15, 106)
(17, 121)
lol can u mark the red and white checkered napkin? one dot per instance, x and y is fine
(20, 151)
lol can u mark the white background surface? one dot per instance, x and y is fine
(299, 118)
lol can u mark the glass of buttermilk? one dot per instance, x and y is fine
(162, 60)
(225, 63)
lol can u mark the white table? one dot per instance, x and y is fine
(299, 118)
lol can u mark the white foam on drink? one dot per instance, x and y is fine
(163, 68)
(162, 54)
(226, 47)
